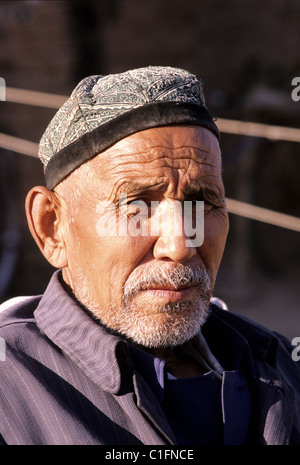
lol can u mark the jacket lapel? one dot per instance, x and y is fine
(274, 397)
(150, 406)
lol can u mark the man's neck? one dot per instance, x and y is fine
(180, 367)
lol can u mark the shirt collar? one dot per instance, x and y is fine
(101, 355)
(235, 355)
(105, 358)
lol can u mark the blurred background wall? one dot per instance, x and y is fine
(247, 54)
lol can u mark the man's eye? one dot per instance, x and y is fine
(136, 202)
(137, 206)
(196, 202)
(197, 206)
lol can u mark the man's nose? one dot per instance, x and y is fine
(172, 242)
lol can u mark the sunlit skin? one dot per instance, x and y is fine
(160, 164)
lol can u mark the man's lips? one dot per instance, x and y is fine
(166, 287)
(168, 292)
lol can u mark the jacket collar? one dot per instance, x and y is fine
(68, 325)
(105, 359)
(102, 356)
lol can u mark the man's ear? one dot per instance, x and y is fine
(43, 211)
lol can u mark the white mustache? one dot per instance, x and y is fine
(176, 277)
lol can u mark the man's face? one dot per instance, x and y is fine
(153, 288)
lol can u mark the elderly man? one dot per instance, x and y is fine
(126, 345)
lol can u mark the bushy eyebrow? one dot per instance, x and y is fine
(191, 192)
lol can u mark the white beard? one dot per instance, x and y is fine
(150, 324)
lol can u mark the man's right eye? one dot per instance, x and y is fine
(139, 201)
(137, 206)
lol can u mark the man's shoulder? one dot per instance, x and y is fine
(17, 311)
(20, 310)
(264, 343)
(242, 323)
(18, 333)
(239, 321)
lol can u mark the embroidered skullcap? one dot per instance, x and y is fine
(104, 109)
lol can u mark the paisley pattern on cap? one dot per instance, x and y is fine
(98, 99)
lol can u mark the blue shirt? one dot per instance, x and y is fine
(204, 410)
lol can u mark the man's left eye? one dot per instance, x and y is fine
(138, 206)
(136, 202)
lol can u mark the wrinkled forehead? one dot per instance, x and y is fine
(174, 160)
(171, 136)
(165, 146)
(159, 159)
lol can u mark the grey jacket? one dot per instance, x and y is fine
(65, 380)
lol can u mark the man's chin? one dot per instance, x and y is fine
(170, 326)
(153, 322)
